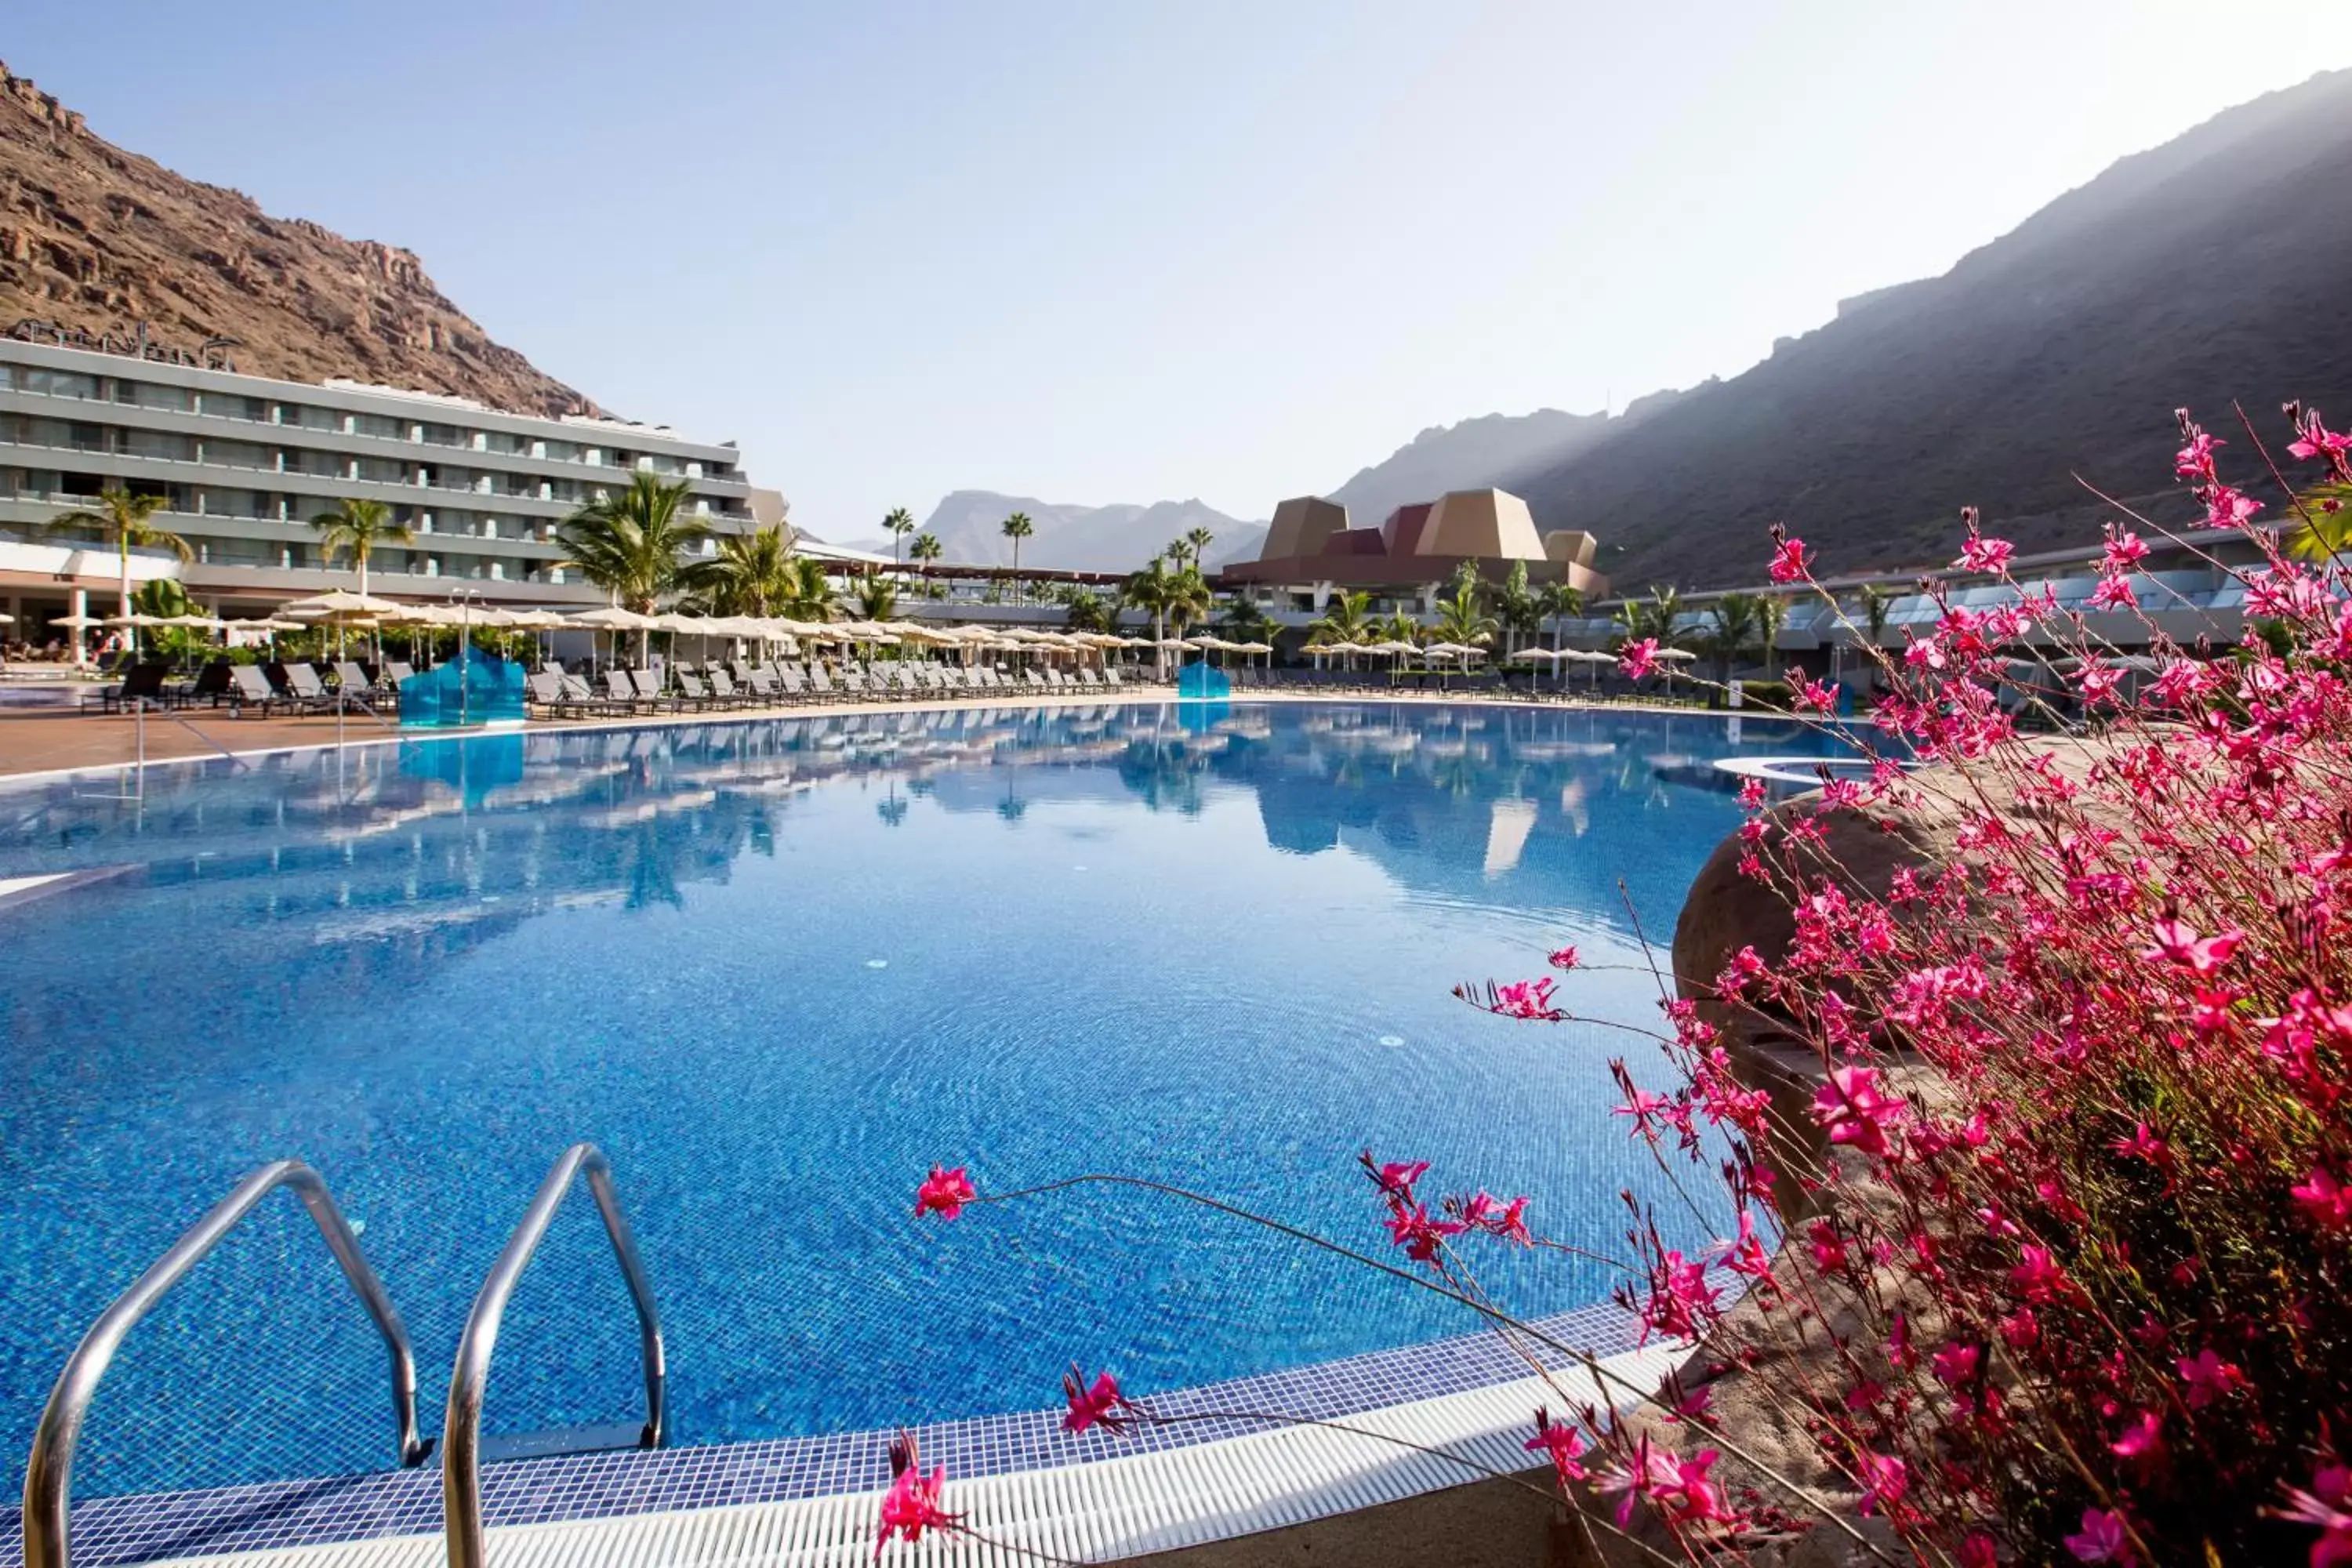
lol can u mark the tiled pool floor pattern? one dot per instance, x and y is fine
(151, 1527)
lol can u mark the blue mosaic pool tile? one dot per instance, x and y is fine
(110, 1531)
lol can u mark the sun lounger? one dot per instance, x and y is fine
(692, 692)
(250, 687)
(649, 692)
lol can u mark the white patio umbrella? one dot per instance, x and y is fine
(612, 618)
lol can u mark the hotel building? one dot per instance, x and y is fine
(1311, 551)
(244, 463)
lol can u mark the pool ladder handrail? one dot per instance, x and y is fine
(461, 1427)
(48, 1474)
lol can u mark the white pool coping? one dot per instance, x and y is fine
(1100, 1512)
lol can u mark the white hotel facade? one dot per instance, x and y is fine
(244, 463)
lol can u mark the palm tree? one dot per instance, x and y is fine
(1017, 528)
(1655, 617)
(2325, 529)
(1245, 621)
(1876, 603)
(876, 597)
(628, 544)
(751, 575)
(1558, 601)
(1199, 540)
(122, 519)
(900, 522)
(355, 528)
(926, 549)
(1517, 608)
(1088, 612)
(1398, 627)
(812, 597)
(1342, 620)
(1737, 617)
(1770, 616)
(1461, 620)
(1167, 596)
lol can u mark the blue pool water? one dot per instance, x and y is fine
(777, 970)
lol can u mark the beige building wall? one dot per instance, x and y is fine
(1570, 547)
(1301, 526)
(1493, 524)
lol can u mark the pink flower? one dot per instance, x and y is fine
(1811, 696)
(2182, 945)
(2144, 1434)
(2037, 1277)
(2113, 594)
(1955, 1363)
(1505, 1221)
(2195, 462)
(1097, 1406)
(1527, 999)
(1854, 1108)
(2099, 682)
(1678, 1488)
(1680, 1297)
(2102, 1539)
(2209, 1378)
(1412, 1228)
(1828, 1250)
(912, 1506)
(1564, 1444)
(2124, 549)
(1747, 1255)
(2227, 508)
(1788, 561)
(1982, 555)
(1636, 659)
(2314, 439)
(1642, 1107)
(1885, 1479)
(1396, 1178)
(1563, 958)
(2144, 1144)
(944, 1192)
(2323, 1506)
(2328, 1200)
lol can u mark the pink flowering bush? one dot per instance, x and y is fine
(2046, 1258)
(2069, 1211)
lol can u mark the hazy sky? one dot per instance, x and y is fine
(1111, 251)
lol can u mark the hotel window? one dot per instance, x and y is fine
(236, 454)
(147, 394)
(379, 425)
(164, 447)
(443, 436)
(309, 418)
(504, 442)
(233, 405)
(61, 384)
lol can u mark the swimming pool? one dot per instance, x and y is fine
(777, 969)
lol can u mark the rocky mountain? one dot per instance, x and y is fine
(98, 240)
(970, 524)
(2211, 269)
(1501, 449)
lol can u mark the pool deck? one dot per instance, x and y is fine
(35, 741)
(1359, 1433)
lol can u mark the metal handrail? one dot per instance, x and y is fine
(461, 1429)
(48, 1474)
